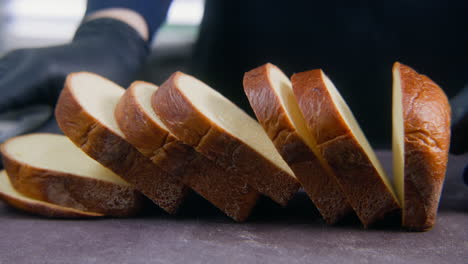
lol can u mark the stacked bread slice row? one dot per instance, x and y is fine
(421, 139)
(50, 169)
(271, 96)
(164, 141)
(145, 130)
(85, 113)
(20, 201)
(214, 126)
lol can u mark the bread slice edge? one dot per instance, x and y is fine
(271, 96)
(15, 199)
(425, 121)
(369, 193)
(67, 189)
(139, 122)
(191, 126)
(108, 146)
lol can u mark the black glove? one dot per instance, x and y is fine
(105, 46)
(29, 77)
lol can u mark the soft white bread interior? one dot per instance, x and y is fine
(15, 199)
(398, 134)
(99, 97)
(356, 130)
(231, 118)
(343, 145)
(283, 89)
(57, 153)
(85, 113)
(203, 118)
(421, 139)
(272, 98)
(144, 129)
(143, 92)
(51, 168)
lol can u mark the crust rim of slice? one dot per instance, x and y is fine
(23, 203)
(368, 194)
(272, 113)
(425, 114)
(165, 149)
(111, 150)
(69, 189)
(195, 129)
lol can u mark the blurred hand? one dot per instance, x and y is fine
(105, 46)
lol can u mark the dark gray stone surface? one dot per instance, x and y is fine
(201, 234)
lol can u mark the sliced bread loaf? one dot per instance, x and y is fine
(271, 96)
(344, 146)
(15, 199)
(217, 128)
(85, 113)
(143, 128)
(51, 168)
(421, 139)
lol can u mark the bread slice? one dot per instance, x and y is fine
(421, 139)
(85, 113)
(143, 128)
(344, 146)
(56, 171)
(15, 199)
(272, 99)
(214, 126)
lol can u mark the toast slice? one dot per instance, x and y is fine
(143, 128)
(56, 171)
(85, 113)
(344, 146)
(15, 199)
(271, 96)
(217, 128)
(421, 139)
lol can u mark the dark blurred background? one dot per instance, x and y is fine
(354, 42)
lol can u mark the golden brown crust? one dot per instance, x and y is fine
(426, 115)
(359, 179)
(46, 209)
(321, 187)
(71, 190)
(147, 136)
(115, 153)
(195, 129)
(43, 208)
(221, 188)
(317, 107)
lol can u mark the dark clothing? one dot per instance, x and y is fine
(354, 42)
(153, 11)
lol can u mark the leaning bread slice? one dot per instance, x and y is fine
(85, 113)
(272, 99)
(343, 145)
(143, 128)
(421, 139)
(52, 169)
(214, 126)
(15, 199)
